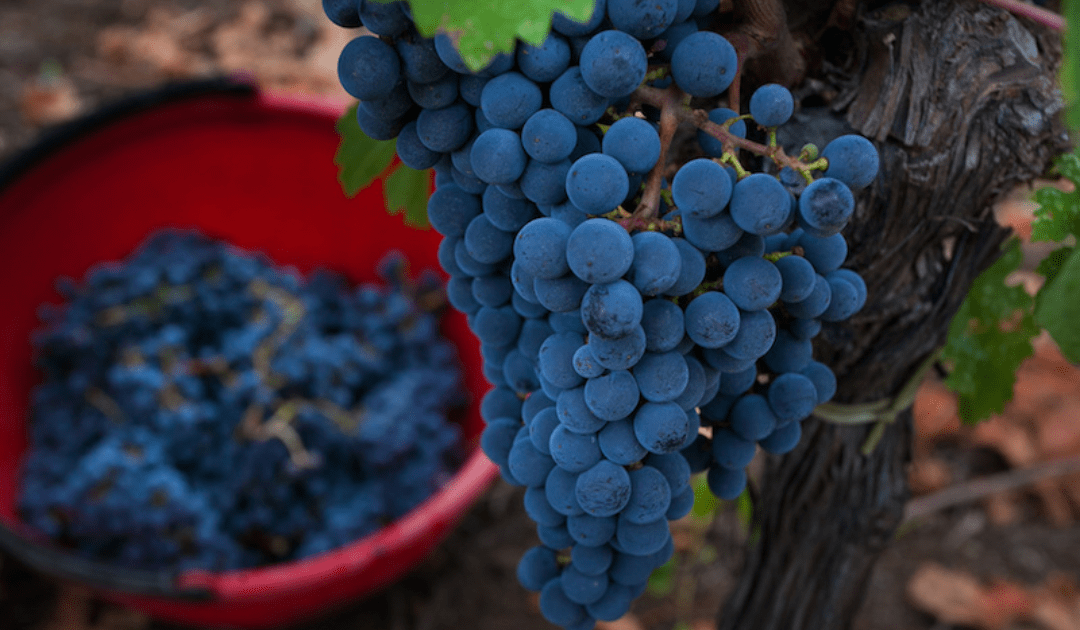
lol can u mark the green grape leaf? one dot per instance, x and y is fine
(482, 29)
(407, 190)
(988, 338)
(1058, 308)
(1058, 214)
(1050, 266)
(662, 579)
(359, 158)
(1070, 63)
(705, 502)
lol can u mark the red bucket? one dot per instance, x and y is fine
(255, 170)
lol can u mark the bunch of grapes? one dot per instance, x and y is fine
(637, 330)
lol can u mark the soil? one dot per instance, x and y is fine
(63, 58)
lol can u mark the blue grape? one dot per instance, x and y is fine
(855, 280)
(560, 295)
(757, 332)
(394, 105)
(540, 248)
(695, 384)
(613, 64)
(561, 492)
(853, 160)
(760, 205)
(701, 189)
(572, 28)
(642, 539)
(730, 450)
(650, 496)
(599, 251)
(528, 465)
(544, 183)
(342, 12)
(611, 310)
(500, 403)
(784, 439)
(691, 268)
(451, 209)
(619, 444)
(823, 378)
(436, 94)
(596, 183)
(825, 207)
(487, 243)
(497, 156)
(471, 86)
(643, 20)
(386, 20)
(825, 254)
(752, 418)
(705, 7)
(792, 396)
(752, 283)
(805, 328)
(557, 537)
(661, 427)
(712, 320)
(590, 531)
(612, 396)
(557, 608)
(548, 136)
(798, 276)
(747, 245)
(726, 483)
(492, 290)
(663, 324)
(540, 429)
(681, 504)
(498, 438)
(661, 377)
(591, 560)
(587, 142)
(844, 300)
(671, 37)
(704, 64)
(523, 283)
(788, 353)
(519, 373)
(575, 414)
(420, 61)
(713, 234)
(572, 97)
(378, 128)
(621, 353)
(698, 454)
(585, 363)
(574, 452)
(555, 359)
(412, 152)
(467, 263)
(534, 331)
(445, 129)
(710, 145)
(603, 490)
(537, 567)
(567, 322)
(634, 142)
(814, 305)
(544, 63)
(497, 326)
(509, 99)
(738, 382)
(368, 68)
(771, 105)
(505, 213)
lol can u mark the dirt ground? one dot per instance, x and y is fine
(1007, 561)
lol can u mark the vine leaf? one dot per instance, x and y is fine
(989, 337)
(1058, 308)
(406, 191)
(484, 28)
(359, 158)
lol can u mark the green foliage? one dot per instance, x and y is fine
(360, 160)
(989, 337)
(705, 502)
(484, 28)
(1070, 64)
(1058, 307)
(662, 579)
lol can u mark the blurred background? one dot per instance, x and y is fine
(993, 540)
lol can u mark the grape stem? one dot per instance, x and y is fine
(670, 103)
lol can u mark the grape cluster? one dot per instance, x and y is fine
(626, 355)
(202, 408)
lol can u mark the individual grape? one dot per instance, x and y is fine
(730, 450)
(581, 588)
(497, 156)
(497, 438)
(612, 396)
(720, 360)
(844, 301)
(704, 64)
(634, 142)
(567, 322)
(497, 326)
(825, 207)
(621, 353)
(701, 189)
(540, 248)
(548, 136)
(575, 414)
(642, 539)
(572, 97)
(540, 428)
(544, 183)
(788, 353)
(712, 320)
(445, 129)
(797, 274)
(757, 332)
(771, 105)
(611, 310)
(599, 251)
(572, 28)
(385, 20)
(412, 152)
(710, 145)
(663, 324)
(585, 363)
(738, 382)
(855, 280)
(509, 99)
(661, 427)
(760, 205)
(544, 63)
(394, 105)
(613, 64)
(619, 444)
(805, 328)
(752, 418)
(487, 243)
(590, 531)
(468, 264)
(523, 284)
(713, 234)
(436, 94)
(698, 454)
(681, 504)
(603, 490)
(675, 33)
(420, 61)
(342, 12)
(650, 496)
(469, 183)
(561, 492)
(519, 373)
(784, 439)
(853, 160)
(591, 560)
(643, 20)
(573, 452)
(656, 263)
(528, 465)
(814, 305)
(500, 403)
(450, 210)
(378, 128)
(726, 483)
(470, 86)
(704, 7)
(825, 254)
(492, 290)
(661, 377)
(823, 379)
(695, 384)
(691, 268)
(560, 295)
(557, 608)
(368, 68)
(596, 182)
(792, 396)
(537, 567)
(505, 213)
(752, 283)
(555, 359)
(557, 537)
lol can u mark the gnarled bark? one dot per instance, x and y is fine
(961, 99)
